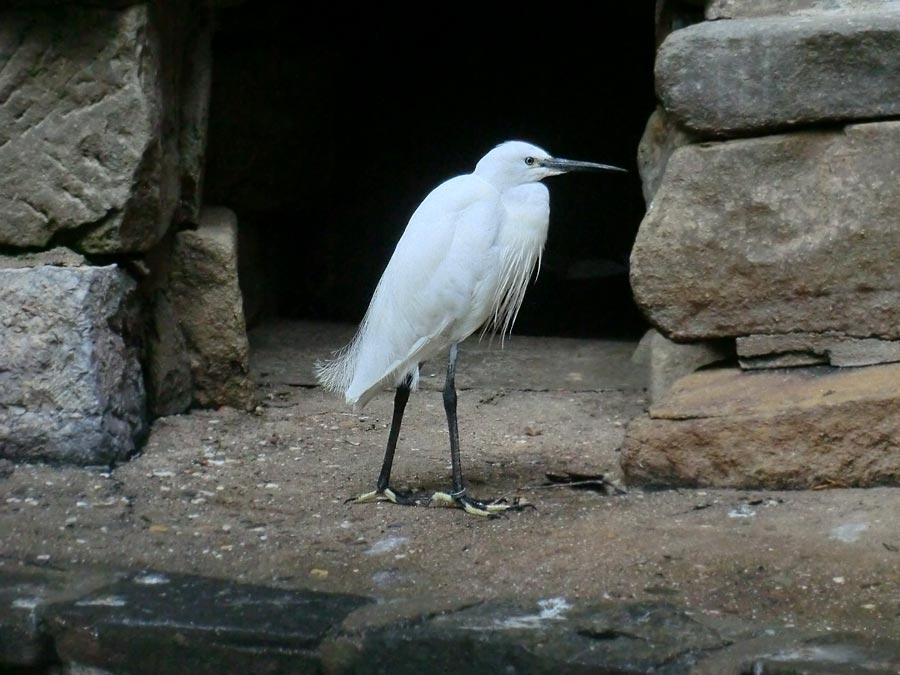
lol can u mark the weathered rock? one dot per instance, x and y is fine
(789, 233)
(71, 388)
(195, 84)
(207, 300)
(661, 138)
(169, 384)
(83, 130)
(783, 360)
(24, 594)
(744, 9)
(774, 351)
(756, 75)
(669, 361)
(549, 636)
(797, 652)
(785, 429)
(153, 622)
(58, 257)
(832, 654)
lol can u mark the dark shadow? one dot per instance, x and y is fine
(328, 128)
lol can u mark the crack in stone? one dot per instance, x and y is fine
(37, 210)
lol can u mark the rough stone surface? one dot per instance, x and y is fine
(798, 428)
(206, 296)
(669, 361)
(744, 9)
(71, 388)
(662, 136)
(196, 82)
(800, 653)
(153, 623)
(789, 233)
(549, 636)
(755, 75)
(788, 359)
(90, 620)
(773, 351)
(832, 655)
(169, 384)
(58, 257)
(24, 595)
(83, 130)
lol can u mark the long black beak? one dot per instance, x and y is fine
(566, 165)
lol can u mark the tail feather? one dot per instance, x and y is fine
(336, 373)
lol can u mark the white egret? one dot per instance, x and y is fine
(463, 263)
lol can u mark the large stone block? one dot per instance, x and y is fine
(195, 39)
(206, 296)
(168, 364)
(791, 349)
(795, 428)
(70, 384)
(81, 127)
(780, 234)
(155, 622)
(667, 361)
(744, 9)
(661, 137)
(756, 75)
(102, 123)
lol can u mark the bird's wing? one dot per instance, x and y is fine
(429, 294)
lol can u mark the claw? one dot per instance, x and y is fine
(475, 507)
(386, 495)
(389, 495)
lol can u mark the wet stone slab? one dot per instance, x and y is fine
(832, 655)
(547, 636)
(25, 593)
(98, 621)
(796, 653)
(152, 623)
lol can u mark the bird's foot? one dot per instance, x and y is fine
(389, 495)
(477, 507)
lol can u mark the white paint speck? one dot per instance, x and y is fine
(151, 579)
(848, 532)
(743, 511)
(386, 545)
(25, 603)
(551, 609)
(105, 601)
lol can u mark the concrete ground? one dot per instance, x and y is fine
(260, 497)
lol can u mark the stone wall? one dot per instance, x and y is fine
(773, 221)
(103, 118)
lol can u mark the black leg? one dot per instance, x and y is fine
(458, 494)
(383, 491)
(450, 408)
(400, 399)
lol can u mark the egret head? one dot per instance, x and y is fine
(516, 163)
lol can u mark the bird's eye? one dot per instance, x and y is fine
(529, 161)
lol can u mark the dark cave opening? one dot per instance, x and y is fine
(327, 130)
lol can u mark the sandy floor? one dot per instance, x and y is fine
(260, 497)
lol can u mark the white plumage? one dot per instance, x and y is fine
(464, 260)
